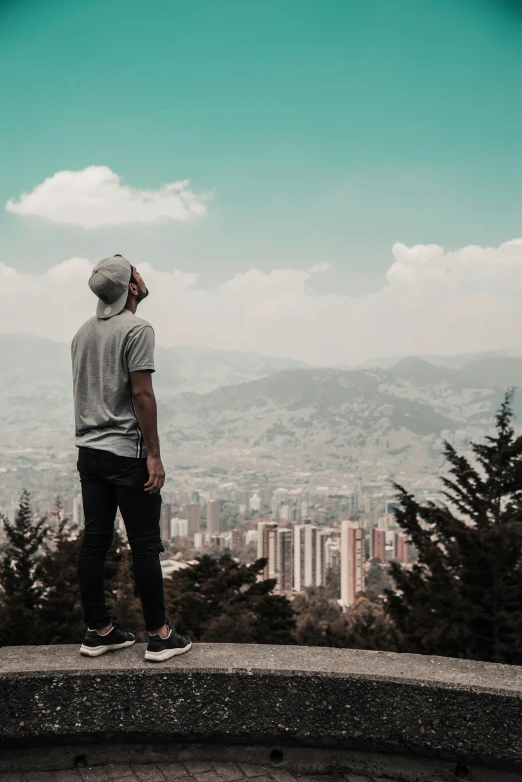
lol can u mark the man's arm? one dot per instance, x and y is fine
(146, 413)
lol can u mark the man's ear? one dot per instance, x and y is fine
(133, 289)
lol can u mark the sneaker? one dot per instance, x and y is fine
(159, 649)
(96, 644)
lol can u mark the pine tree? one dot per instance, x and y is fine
(463, 597)
(274, 618)
(222, 600)
(20, 589)
(61, 611)
(321, 622)
(377, 580)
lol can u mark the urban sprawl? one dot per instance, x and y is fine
(304, 534)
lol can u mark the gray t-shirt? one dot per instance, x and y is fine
(104, 352)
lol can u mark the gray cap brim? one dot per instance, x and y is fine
(105, 311)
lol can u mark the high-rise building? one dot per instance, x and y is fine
(352, 561)
(192, 512)
(305, 556)
(243, 497)
(321, 566)
(390, 545)
(77, 511)
(178, 528)
(310, 542)
(377, 543)
(237, 538)
(267, 546)
(387, 522)
(166, 513)
(299, 557)
(402, 548)
(284, 512)
(332, 553)
(285, 559)
(251, 536)
(213, 517)
(220, 540)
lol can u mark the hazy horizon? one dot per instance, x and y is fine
(371, 360)
(329, 182)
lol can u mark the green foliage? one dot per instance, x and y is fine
(333, 582)
(221, 600)
(20, 590)
(378, 580)
(60, 611)
(39, 594)
(463, 597)
(321, 622)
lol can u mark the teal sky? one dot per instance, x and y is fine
(328, 129)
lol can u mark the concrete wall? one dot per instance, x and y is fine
(331, 699)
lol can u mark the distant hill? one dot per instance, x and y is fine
(26, 359)
(201, 369)
(36, 383)
(422, 372)
(493, 372)
(498, 371)
(454, 362)
(229, 409)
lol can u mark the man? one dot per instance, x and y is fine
(119, 457)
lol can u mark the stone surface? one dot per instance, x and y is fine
(259, 658)
(456, 710)
(161, 773)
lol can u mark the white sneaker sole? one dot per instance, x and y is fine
(89, 651)
(159, 657)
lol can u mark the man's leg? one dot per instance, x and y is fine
(99, 504)
(141, 513)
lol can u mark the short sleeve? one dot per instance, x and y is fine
(139, 349)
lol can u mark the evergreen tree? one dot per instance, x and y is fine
(369, 627)
(274, 618)
(463, 596)
(222, 600)
(61, 611)
(377, 580)
(20, 589)
(321, 622)
(333, 582)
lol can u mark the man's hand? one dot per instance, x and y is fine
(156, 475)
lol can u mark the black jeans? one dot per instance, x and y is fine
(109, 481)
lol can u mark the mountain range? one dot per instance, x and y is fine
(243, 409)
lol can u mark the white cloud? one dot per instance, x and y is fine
(95, 197)
(431, 302)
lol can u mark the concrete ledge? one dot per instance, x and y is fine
(334, 700)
